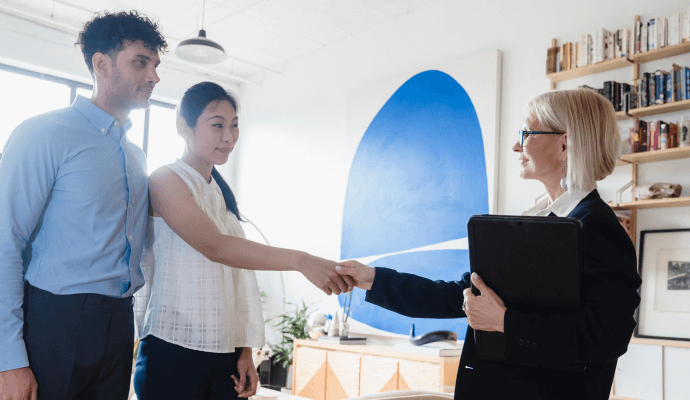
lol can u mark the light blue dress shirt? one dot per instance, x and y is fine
(73, 210)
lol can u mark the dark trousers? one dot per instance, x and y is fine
(80, 346)
(167, 371)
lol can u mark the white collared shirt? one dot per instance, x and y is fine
(563, 205)
(190, 300)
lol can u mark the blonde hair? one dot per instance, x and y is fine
(590, 122)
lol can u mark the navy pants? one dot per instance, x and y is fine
(80, 346)
(167, 371)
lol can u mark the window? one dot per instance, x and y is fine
(28, 94)
(165, 145)
(26, 97)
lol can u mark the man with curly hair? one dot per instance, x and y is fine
(73, 211)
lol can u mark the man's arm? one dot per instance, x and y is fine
(27, 174)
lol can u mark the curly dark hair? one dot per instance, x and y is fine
(108, 33)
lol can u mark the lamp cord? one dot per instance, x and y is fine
(280, 273)
(203, 16)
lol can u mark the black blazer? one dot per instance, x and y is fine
(595, 336)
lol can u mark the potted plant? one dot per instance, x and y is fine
(293, 325)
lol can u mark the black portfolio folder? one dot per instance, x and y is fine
(534, 264)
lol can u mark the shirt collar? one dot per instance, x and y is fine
(100, 119)
(561, 207)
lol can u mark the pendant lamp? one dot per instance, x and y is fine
(200, 49)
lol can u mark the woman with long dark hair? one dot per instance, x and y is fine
(202, 307)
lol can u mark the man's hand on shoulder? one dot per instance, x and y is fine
(18, 384)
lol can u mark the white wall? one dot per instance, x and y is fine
(294, 155)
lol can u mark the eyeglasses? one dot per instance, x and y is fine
(525, 134)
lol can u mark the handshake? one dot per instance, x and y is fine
(336, 278)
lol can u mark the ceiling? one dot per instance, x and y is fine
(259, 36)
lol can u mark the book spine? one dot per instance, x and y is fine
(663, 136)
(651, 34)
(637, 35)
(668, 83)
(672, 135)
(551, 60)
(642, 130)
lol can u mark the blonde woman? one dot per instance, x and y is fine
(569, 142)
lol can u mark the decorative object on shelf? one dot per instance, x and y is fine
(261, 354)
(200, 49)
(664, 311)
(334, 329)
(657, 191)
(317, 324)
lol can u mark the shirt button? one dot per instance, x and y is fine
(102, 129)
(528, 344)
(535, 346)
(521, 342)
(130, 238)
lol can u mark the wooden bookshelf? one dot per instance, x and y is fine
(663, 52)
(656, 155)
(654, 203)
(660, 109)
(660, 342)
(603, 66)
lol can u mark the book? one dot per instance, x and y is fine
(651, 133)
(617, 40)
(674, 33)
(644, 46)
(668, 84)
(350, 340)
(663, 136)
(672, 135)
(551, 60)
(661, 32)
(659, 87)
(637, 35)
(625, 97)
(610, 46)
(651, 34)
(573, 55)
(634, 140)
(685, 25)
(583, 51)
(677, 82)
(644, 86)
(626, 43)
(642, 130)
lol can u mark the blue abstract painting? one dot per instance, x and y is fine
(418, 175)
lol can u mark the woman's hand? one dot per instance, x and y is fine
(246, 369)
(363, 275)
(486, 311)
(322, 273)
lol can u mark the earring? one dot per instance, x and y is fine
(564, 180)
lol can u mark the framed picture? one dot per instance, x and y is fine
(664, 311)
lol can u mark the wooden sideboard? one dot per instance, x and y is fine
(335, 372)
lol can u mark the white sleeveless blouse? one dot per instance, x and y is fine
(188, 299)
